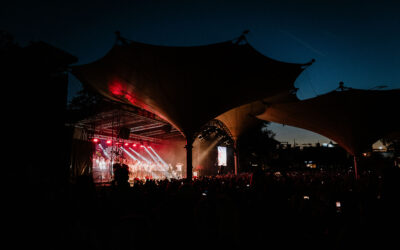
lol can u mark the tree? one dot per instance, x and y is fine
(393, 144)
(7, 42)
(86, 103)
(256, 147)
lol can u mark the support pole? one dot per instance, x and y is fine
(235, 155)
(189, 147)
(355, 166)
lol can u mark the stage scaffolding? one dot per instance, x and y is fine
(144, 128)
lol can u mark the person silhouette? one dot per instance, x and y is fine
(121, 174)
(342, 87)
(121, 39)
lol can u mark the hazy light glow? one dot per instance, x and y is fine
(130, 155)
(104, 151)
(151, 155)
(158, 157)
(140, 156)
(206, 151)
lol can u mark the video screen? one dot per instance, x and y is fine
(221, 156)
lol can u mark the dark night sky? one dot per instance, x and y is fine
(356, 42)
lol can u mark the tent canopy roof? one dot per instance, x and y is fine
(354, 118)
(240, 119)
(188, 86)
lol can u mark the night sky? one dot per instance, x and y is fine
(357, 42)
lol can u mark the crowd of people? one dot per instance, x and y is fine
(311, 209)
(288, 209)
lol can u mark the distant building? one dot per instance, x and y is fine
(326, 155)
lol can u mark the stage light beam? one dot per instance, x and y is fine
(104, 151)
(151, 155)
(158, 156)
(130, 155)
(140, 156)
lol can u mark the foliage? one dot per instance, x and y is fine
(84, 100)
(256, 147)
(392, 144)
(6, 41)
(85, 104)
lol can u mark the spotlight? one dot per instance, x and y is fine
(108, 141)
(126, 144)
(134, 144)
(95, 140)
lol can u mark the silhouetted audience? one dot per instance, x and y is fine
(324, 209)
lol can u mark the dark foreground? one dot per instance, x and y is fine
(287, 210)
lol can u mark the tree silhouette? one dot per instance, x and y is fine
(256, 147)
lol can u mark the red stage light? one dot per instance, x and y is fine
(108, 142)
(126, 144)
(141, 146)
(134, 145)
(95, 140)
